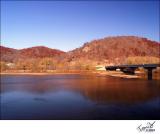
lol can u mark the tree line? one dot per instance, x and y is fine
(42, 65)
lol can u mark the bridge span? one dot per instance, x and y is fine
(130, 69)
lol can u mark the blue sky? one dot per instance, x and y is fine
(67, 25)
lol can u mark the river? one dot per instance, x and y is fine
(52, 97)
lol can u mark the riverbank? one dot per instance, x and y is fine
(118, 74)
(34, 73)
(138, 74)
(63, 72)
(95, 73)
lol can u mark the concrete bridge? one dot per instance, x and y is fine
(130, 69)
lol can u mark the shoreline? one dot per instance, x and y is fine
(119, 75)
(35, 73)
(95, 73)
(116, 74)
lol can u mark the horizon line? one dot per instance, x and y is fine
(43, 45)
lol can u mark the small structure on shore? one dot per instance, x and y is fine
(100, 67)
(10, 65)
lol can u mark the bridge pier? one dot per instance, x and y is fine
(149, 74)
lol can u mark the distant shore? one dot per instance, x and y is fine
(34, 73)
(95, 73)
(119, 74)
(46, 73)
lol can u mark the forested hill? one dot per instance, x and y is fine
(11, 55)
(110, 50)
(114, 50)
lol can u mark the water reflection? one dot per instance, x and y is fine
(76, 97)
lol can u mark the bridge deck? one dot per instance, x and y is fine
(135, 66)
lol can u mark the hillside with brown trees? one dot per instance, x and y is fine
(40, 52)
(8, 54)
(114, 50)
(106, 51)
(12, 55)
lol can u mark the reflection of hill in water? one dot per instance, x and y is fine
(117, 90)
(97, 89)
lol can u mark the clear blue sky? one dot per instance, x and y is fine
(67, 25)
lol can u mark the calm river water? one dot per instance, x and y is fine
(78, 97)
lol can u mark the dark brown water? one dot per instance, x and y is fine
(78, 97)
